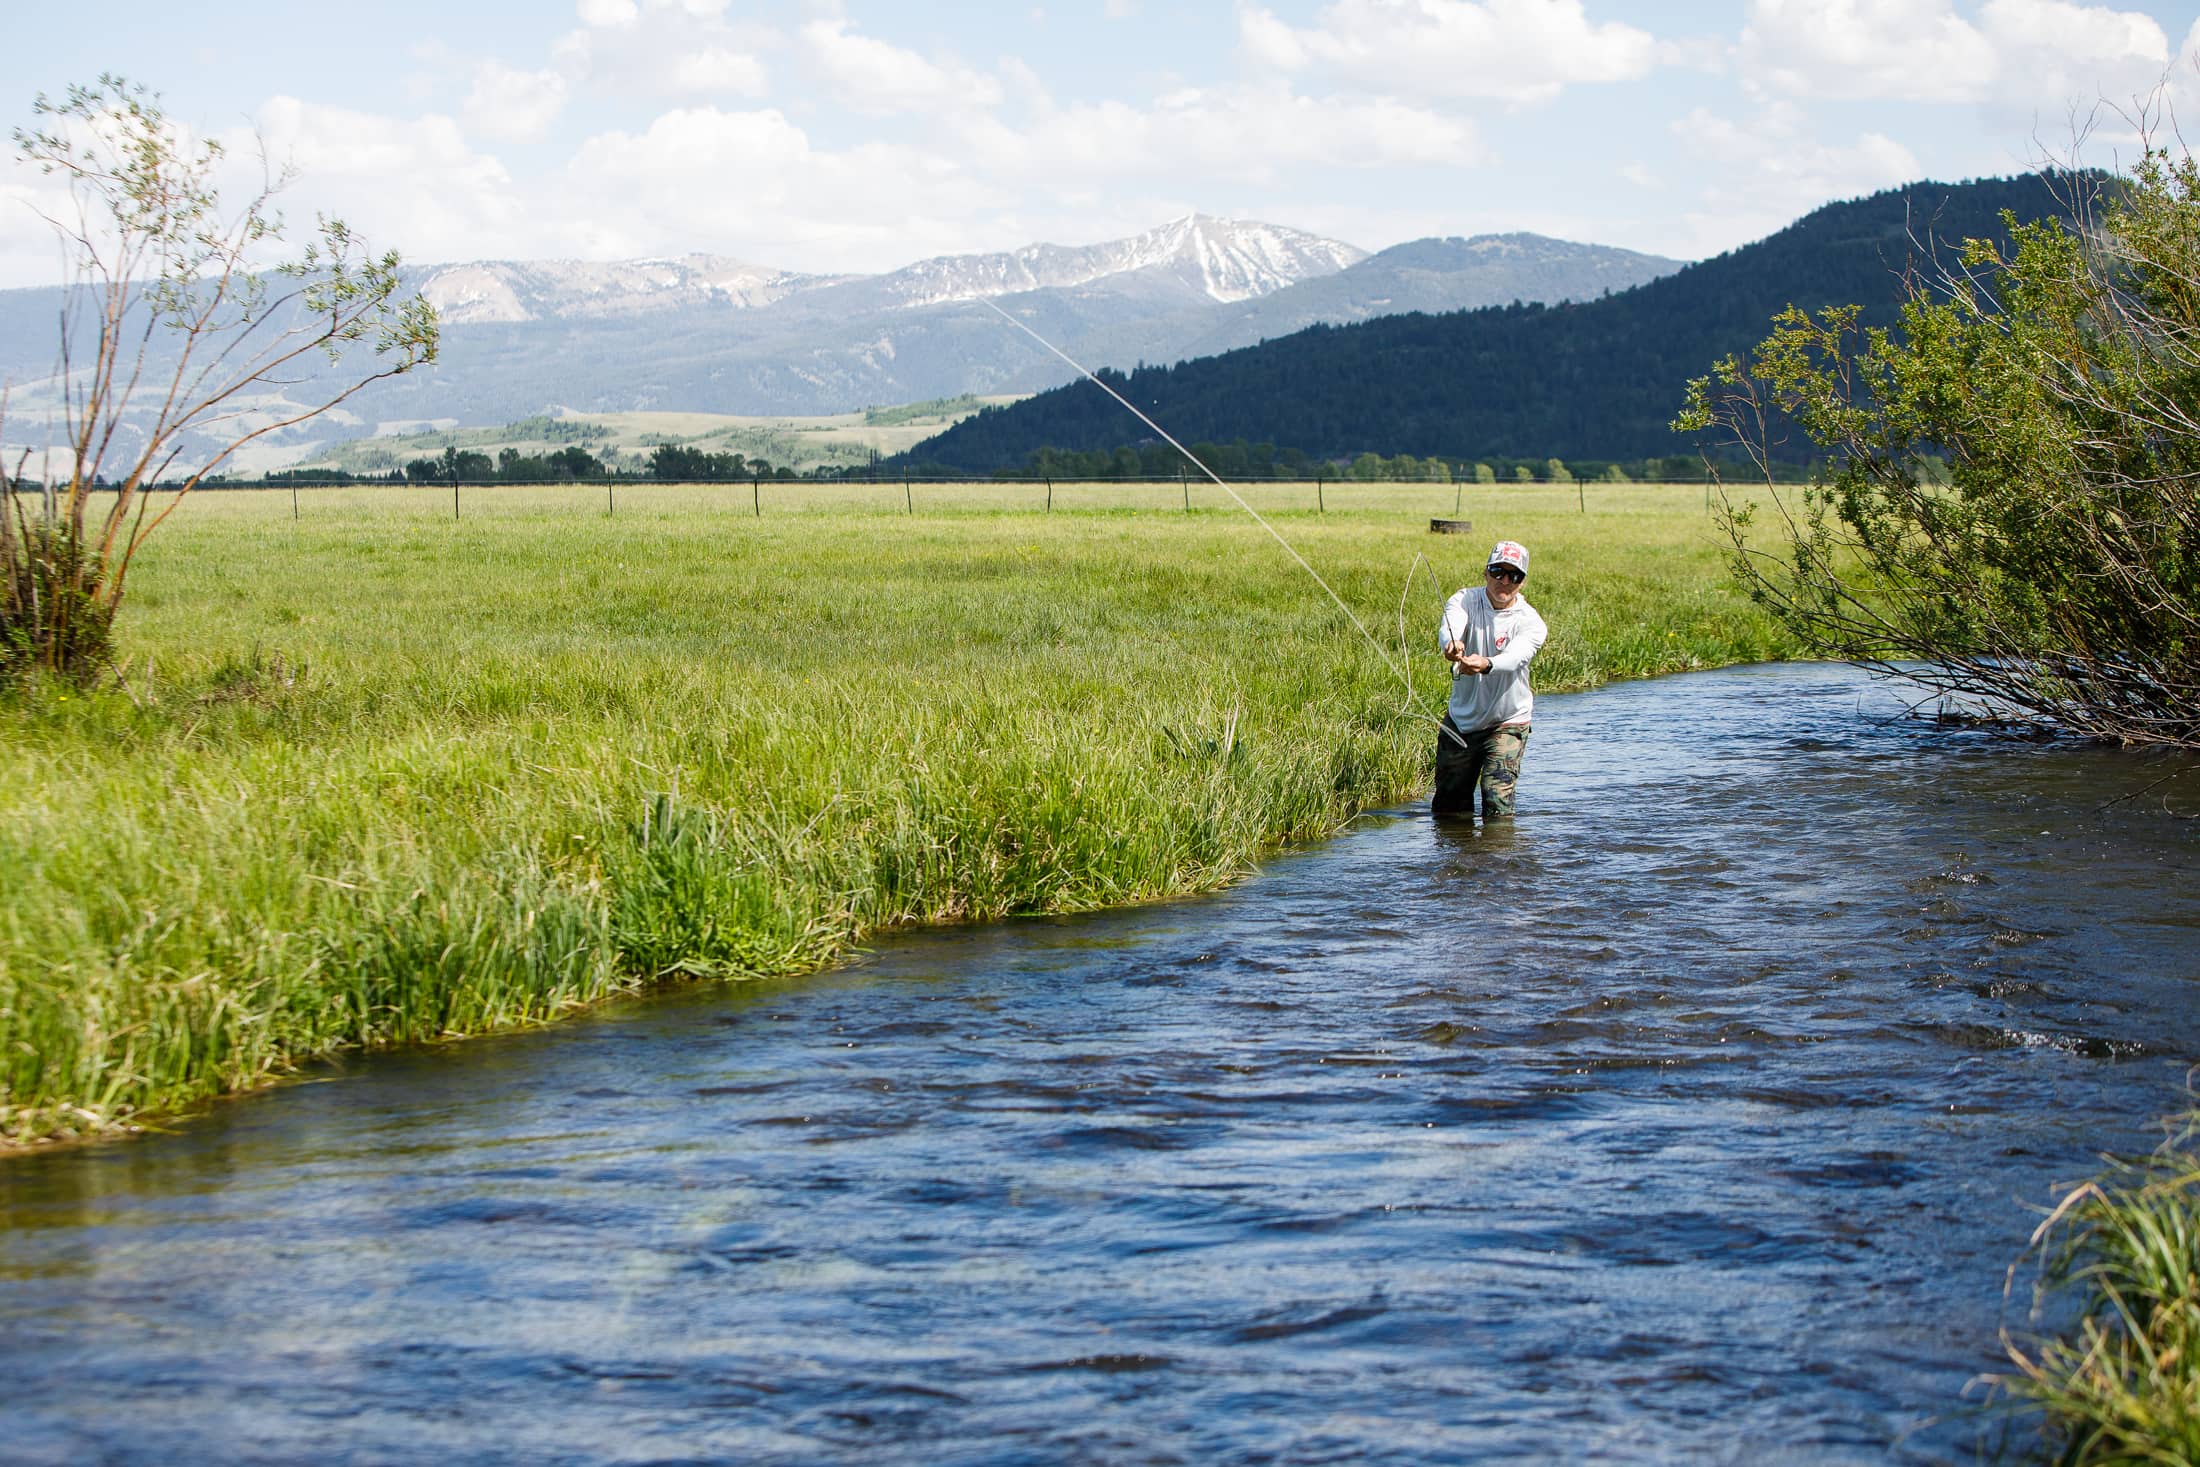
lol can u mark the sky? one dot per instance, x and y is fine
(860, 135)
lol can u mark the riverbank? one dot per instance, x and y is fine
(374, 776)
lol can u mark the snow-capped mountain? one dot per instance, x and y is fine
(1222, 259)
(534, 290)
(707, 333)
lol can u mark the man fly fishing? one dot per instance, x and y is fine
(1488, 634)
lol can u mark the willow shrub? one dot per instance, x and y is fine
(170, 320)
(2010, 501)
(371, 776)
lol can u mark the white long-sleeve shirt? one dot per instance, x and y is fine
(1508, 639)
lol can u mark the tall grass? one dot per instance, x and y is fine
(374, 776)
(2121, 1384)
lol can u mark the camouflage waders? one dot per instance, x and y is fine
(1490, 757)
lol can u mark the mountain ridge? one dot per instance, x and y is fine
(1598, 379)
(1227, 260)
(828, 344)
(715, 334)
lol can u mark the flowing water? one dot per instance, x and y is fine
(1696, 1117)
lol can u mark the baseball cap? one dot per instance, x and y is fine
(1512, 553)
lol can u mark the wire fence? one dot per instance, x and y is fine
(913, 494)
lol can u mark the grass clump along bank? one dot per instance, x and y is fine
(2122, 1384)
(375, 776)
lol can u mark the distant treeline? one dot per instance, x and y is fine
(1251, 462)
(668, 462)
(1596, 382)
(1238, 462)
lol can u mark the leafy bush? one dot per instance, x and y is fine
(2011, 498)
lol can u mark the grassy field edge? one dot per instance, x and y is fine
(376, 779)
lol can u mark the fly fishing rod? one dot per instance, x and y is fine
(1193, 458)
(1402, 668)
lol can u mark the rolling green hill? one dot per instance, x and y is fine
(624, 440)
(1590, 380)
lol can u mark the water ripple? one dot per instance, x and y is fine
(1695, 1117)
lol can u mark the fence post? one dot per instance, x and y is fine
(1321, 501)
(608, 506)
(454, 496)
(1458, 496)
(756, 495)
(1184, 482)
(294, 499)
(1580, 495)
(1050, 495)
(908, 501)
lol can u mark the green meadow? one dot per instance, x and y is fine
(372, 775)
(840, 440)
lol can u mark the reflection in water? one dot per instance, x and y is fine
(1695, 1116)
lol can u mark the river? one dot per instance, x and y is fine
(1696, 1117)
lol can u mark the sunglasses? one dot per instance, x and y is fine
(1503, 573)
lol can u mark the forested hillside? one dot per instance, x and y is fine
(1592, 380)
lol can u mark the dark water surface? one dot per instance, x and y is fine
(1695, 1118)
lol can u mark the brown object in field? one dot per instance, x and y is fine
(1450, 527)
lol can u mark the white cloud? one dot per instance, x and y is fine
(1518, 50)
(513, 105)
(1267, 40)
(755, 184)
(719, 70)
(1709, 53)
(621, 15)
(751, 129)
(608, 14)
(2084, 35)
(575, 52)
(1917, 49)
(413, 184)
(2042, 54)
(1771, 172)
(29, 251)
(1246, 133)
(877, 78)
(752, 183)
(668, 49)
(1025, 85)
(2184, 73)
